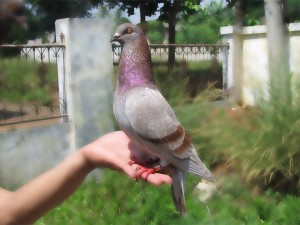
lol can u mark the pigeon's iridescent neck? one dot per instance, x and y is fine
(135, 66)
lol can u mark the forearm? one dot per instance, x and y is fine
(31, 201)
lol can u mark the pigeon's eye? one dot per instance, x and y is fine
(129, 30)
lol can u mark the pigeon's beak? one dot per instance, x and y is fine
(115, 37)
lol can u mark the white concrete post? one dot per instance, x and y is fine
(88, 76)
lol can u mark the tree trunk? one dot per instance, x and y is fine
(278, 51)
(237, 64)
(142, 12)
(172, 32)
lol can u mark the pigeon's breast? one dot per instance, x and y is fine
(119, 105)
(119, 110)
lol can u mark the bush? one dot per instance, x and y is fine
(188, 79)
(261, 142)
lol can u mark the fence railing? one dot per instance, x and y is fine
(188, 54)
(29, 89)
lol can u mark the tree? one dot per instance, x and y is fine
(46, 12)
(168, 13)
(112, 15)
(237, 48)
(278, 45)
(41, 16)
(204, 27)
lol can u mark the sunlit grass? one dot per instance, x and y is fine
(25, 80)
(119, 200)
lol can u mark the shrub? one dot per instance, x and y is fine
(261, 142)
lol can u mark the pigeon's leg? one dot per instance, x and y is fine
(148, 166)
(147, 171)
(147, 162)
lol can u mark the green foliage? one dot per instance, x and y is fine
(204, 27)
(255, 13)
(18, 35)
(194, 34)
(157, 31)
(293, 11)
(49, 11)
(35, 82)
(119, 200)
(112, 15)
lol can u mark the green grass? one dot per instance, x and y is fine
(188, 79)
(24, 80)
(119, 200)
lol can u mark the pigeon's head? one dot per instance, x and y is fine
(127, 32)
(12, 11)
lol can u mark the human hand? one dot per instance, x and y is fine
(114, 151)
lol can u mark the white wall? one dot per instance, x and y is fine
(25, 154)
(255, 59)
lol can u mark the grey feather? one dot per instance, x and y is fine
(149, 113)
(178, 191)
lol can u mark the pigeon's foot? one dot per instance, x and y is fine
(146, 171)
(146, 167)
(147, 162)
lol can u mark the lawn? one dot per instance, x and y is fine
(118, 200)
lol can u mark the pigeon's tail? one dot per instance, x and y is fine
(178, 191)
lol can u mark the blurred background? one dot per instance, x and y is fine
(230, 69)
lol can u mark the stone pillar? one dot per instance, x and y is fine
(88, 76)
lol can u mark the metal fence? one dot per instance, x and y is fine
(212, 58)
(29, 84)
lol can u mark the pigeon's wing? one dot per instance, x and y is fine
(153, 120)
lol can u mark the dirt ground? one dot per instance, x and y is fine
(14, 116)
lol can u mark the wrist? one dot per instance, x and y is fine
(87, 164)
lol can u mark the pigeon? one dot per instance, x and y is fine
(148, 120)
(11, 12)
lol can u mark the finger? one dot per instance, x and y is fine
(158, 179)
